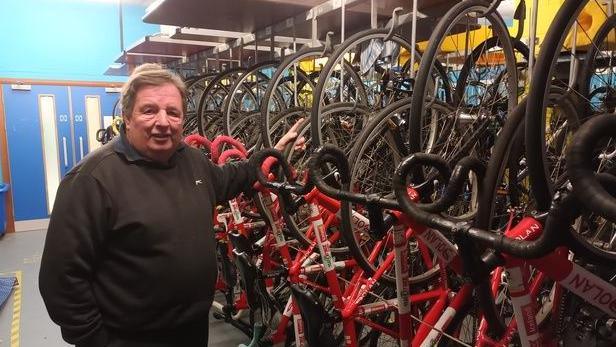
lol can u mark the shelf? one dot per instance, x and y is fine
(166, 48)
(118, 70)
(229, 15)
(233, 23)
(282, 17)
(208, 35)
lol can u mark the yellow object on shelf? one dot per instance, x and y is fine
(457, 43)
(589, 22)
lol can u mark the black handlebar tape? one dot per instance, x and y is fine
(524, 249)
(333, 155)
(259, 158)
(580, 166)
(456, 183)
(431, 160)
(419, 160)
(562, 214)
(407, 205)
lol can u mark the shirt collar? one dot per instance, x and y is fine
(123, 147)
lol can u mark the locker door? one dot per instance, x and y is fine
(65, 131)
(39, 145)
(90, 105)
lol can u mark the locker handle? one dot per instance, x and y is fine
(81, 147)
(65, 151)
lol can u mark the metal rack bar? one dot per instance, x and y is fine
(241, 52)
(413, 38)
(210, 32)
(373, 19)
(532, 37)
(574, 60)
(342, 58)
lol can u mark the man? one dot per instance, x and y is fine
(129, 257)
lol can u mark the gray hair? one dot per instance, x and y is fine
(149, 75)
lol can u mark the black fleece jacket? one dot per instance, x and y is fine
(130, 247)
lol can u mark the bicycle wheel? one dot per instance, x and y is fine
(296, 86)
(342, 122)
(506, 197)
(371, 67)
(538, 100)
(467, 71)
(596, 235)
(473, 121)
(211, 102)
(247, 93)
(246, 130)
(373, 158)
(597, 83)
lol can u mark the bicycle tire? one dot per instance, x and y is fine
(328, 70)
(303, 53)
(240, 89)
(417, 109)
(586, 73)
(537, 100)
(488, 44)
(377, 125)
(205, 125)
(292, 226)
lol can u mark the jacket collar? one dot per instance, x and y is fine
(125, 149)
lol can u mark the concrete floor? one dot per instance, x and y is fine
(21, 252)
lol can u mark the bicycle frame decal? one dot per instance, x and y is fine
(402, 282)
(235, 211)
(527, 229)
(575, 278)
(298, 326)
(323, 242)
(591, 288)
(275, 224)
(523, 307)
(360, 223)
(435, 335)
(439, 244)
(338, 265)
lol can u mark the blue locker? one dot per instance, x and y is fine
(78, 99)
(64, 128)
(25, 140)
(25, 146)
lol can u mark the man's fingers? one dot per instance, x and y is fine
(296, 125)
(300, 144)
(289, 136)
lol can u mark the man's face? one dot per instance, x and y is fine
(154, 128)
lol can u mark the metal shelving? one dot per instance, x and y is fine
(242, 31)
